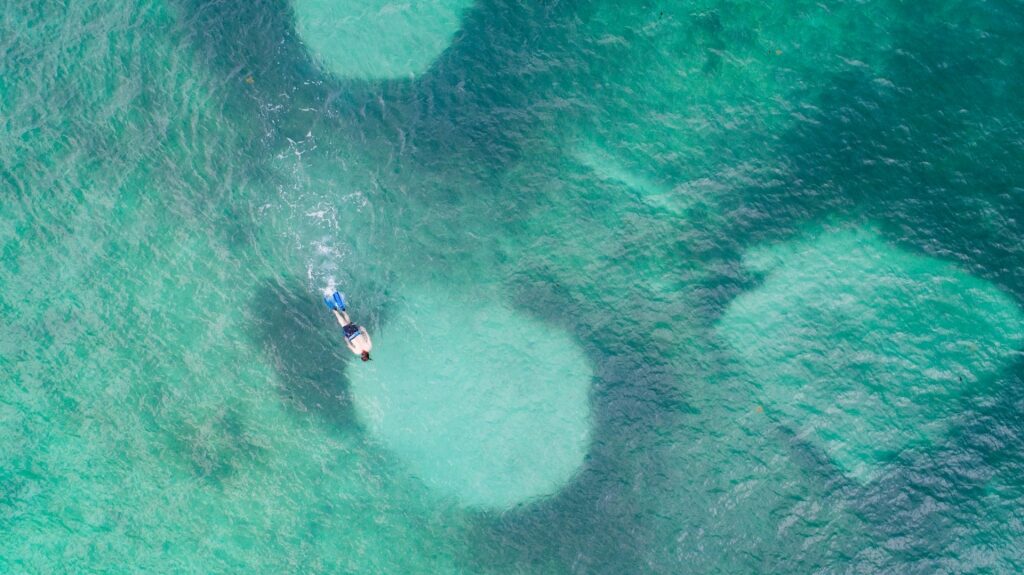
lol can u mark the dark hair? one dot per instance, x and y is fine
(365, 355)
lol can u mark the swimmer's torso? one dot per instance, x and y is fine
(356, 337)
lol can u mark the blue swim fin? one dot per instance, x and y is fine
(335, 301)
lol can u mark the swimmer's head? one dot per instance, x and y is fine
(365, 355)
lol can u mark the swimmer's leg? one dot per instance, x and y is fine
(342, 318)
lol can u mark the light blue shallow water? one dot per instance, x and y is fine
(708, 287)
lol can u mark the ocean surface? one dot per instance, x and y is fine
(714, 286)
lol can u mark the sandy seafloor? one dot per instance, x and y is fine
(655, 287)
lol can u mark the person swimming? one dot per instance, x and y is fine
(356, 337)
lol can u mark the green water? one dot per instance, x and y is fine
(708, 287)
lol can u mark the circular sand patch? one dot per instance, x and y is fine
(863, 348)
(377, 39)
(481, 402)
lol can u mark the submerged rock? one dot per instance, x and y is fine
(480, 402)
(377, 40)
(862, 348)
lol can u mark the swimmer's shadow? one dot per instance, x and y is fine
(305, 348)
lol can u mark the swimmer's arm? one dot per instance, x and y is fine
(369, 342)
(352, 347)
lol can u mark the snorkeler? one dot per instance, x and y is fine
(356, 337)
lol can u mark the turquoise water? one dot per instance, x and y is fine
(708, 287)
